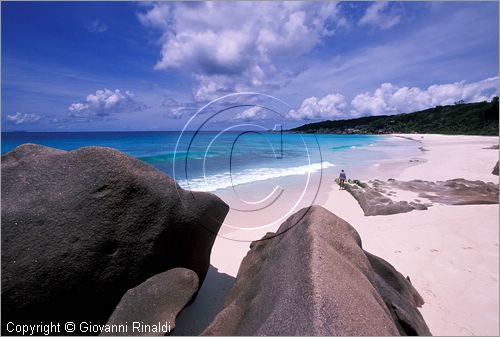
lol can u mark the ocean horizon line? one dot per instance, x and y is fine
(130, 131)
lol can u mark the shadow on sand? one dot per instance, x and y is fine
(209, 302)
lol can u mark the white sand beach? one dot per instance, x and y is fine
(450, 253)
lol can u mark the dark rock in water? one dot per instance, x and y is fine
(495, 169)
(80, 228)
(154, 303)
(492, 147)
(314, 278)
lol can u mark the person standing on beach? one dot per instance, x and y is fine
(342, 179)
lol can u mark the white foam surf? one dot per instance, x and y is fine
(222, 181)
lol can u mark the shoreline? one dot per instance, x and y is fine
(449, 252)
(450, 260)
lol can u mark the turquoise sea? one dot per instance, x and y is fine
(212, 161)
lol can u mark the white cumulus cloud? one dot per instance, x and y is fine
(105, 103)
(331, 106)
(176, 109)
(251, 114)
(391, 99)
(231, 46)
(23, 118)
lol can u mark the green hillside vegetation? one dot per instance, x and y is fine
(459, 119)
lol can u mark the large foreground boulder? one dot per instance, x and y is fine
(314, 278)
(150, 309)
(80, 228)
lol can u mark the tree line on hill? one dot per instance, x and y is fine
(458, 119)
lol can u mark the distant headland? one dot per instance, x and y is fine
(458, 119)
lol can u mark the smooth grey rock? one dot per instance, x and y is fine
(80, 228)
(373, 202)
(154, 304)
(314, 278)
(450, 192)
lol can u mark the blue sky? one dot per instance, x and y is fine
(150, 66)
